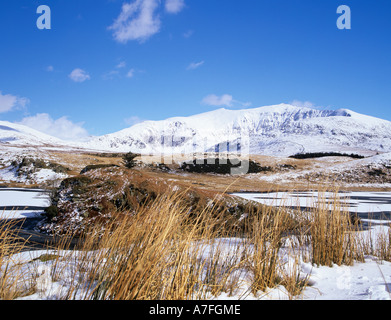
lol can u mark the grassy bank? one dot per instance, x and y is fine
(166, 253)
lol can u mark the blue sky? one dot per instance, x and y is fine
(107, 64)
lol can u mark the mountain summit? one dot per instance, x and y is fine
(272, 130)
(280, 130)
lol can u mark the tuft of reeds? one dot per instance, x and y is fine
(265, 234)
(167, 252)
(377, 241)
(10, 272)
(333, 234)
(161, 253)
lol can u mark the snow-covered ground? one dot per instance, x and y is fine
(370, 280)
(362, 281)
(375, 204)
(14, 201)
(9, 174)
(29, 175)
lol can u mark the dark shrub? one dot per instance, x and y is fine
(325, 154)
(129, 160)
(57, 168)
(51, 212)
(376, 172)
(79, 184)
(222, 166)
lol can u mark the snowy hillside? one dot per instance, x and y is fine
(280, 130)
(275, 130)
(18, 135)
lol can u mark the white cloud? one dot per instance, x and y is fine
(50, 68)
(195, 65)
(308, 104)
(111, 75)
(119, 72)
(61, 128)
(10, 102)
(131, 121)
(218, 101)
(79, 75)
(174, 6)
(130, 73)
(137, 21)
(226, 100)
(188, 34)
(121, 65)
(302, 104)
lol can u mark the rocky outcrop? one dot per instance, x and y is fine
(100, 193)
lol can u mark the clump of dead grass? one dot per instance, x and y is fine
(333, 234)
(166, 251)
(11, 273)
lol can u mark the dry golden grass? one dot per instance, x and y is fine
(78, 159)
(333, 234)
(164, 253)
(378, 244)
(159, 254)
(10, 274)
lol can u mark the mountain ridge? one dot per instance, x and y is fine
(279, 130)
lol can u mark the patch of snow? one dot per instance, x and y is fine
(47, 175)
(17, 200)
(362, 281)
(370, 280)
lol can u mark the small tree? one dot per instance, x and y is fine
(129, 160)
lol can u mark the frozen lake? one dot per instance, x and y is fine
(368, 205)
(18, 203)
(29, 203)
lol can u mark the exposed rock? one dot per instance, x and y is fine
(99, 194)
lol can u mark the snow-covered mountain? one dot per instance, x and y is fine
(19, 135)
(274, 130)
(280, 130)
